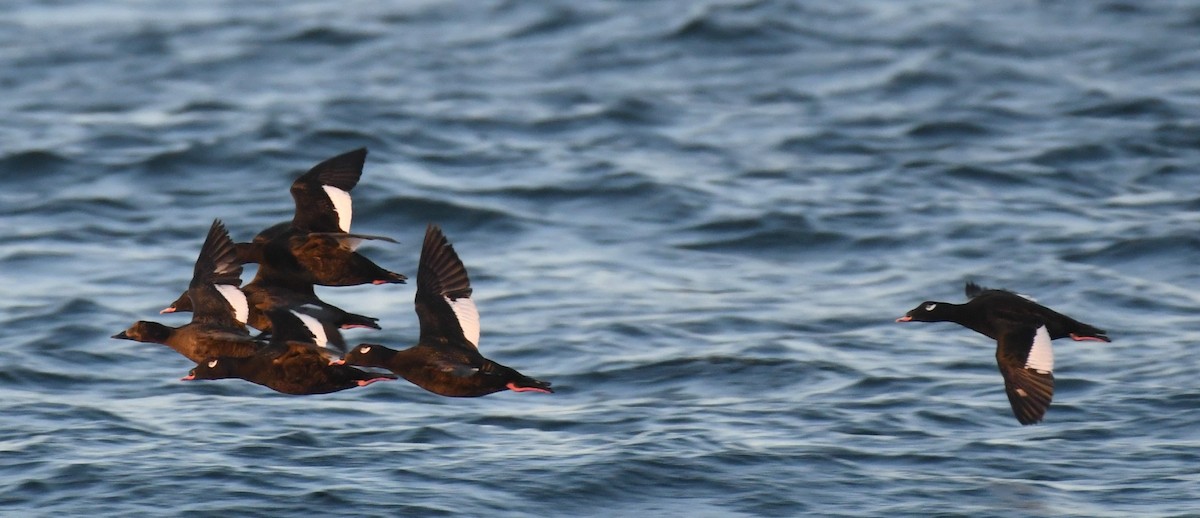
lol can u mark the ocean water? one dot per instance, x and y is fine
(699, 219)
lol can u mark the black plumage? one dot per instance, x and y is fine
(1023, 330)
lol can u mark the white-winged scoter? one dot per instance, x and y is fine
(446, 359)
(318, 236)
(217, 327)
(294, 362)
(1023, 330)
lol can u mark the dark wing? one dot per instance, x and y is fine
(289, 327)
(329, 258)
(1010, 297)
(279, 267)
(214, 291)
(324, 322)
(1026, 362)
(322, 194)
(444, 306)
(273, 231)
(348, 240)
(213, 343)
(249, 252)
(455, 368)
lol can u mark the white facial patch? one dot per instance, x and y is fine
(236, 299)
(212, 364)
(1041, 356)
(314, 326)
(341, 204)
(929, 307)
(468, 318)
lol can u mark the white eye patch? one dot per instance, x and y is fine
(212, 364)
(929, 307)
(364, 350)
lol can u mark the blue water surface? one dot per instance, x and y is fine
(699, 219)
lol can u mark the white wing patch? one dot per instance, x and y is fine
(341, 204)
(1041, 356)
(237, 299)
(468, 318)
(314, 326)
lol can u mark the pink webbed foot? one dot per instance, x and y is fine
(1081, 338)
(513, 387)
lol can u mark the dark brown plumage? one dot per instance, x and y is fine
(445, 360)
(1029, 388)
(330, 259)
(316, 211)
(322, 250)
(292, 363)
(215, 329)
(264, 297)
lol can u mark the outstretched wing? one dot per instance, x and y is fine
(214, 293)
(290, 328)
(342, 239)
(1026, 362)
(444, 306)
(322, 194)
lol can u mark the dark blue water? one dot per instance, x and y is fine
(698, 219)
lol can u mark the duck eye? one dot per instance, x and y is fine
(212, 364)
(929, 307)
(364, 349)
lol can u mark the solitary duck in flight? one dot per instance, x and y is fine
(1023, 330)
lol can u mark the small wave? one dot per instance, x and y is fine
(1142, 251)
(325, 35)
(776, 233)
(1075, 154)
(555, 19)
(909, 81)
(412, 212)
(31, 165)
(1124, 109)
(736, 29)
(987, 176)
(941, 130)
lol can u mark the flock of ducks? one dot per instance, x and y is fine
(301, 351)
